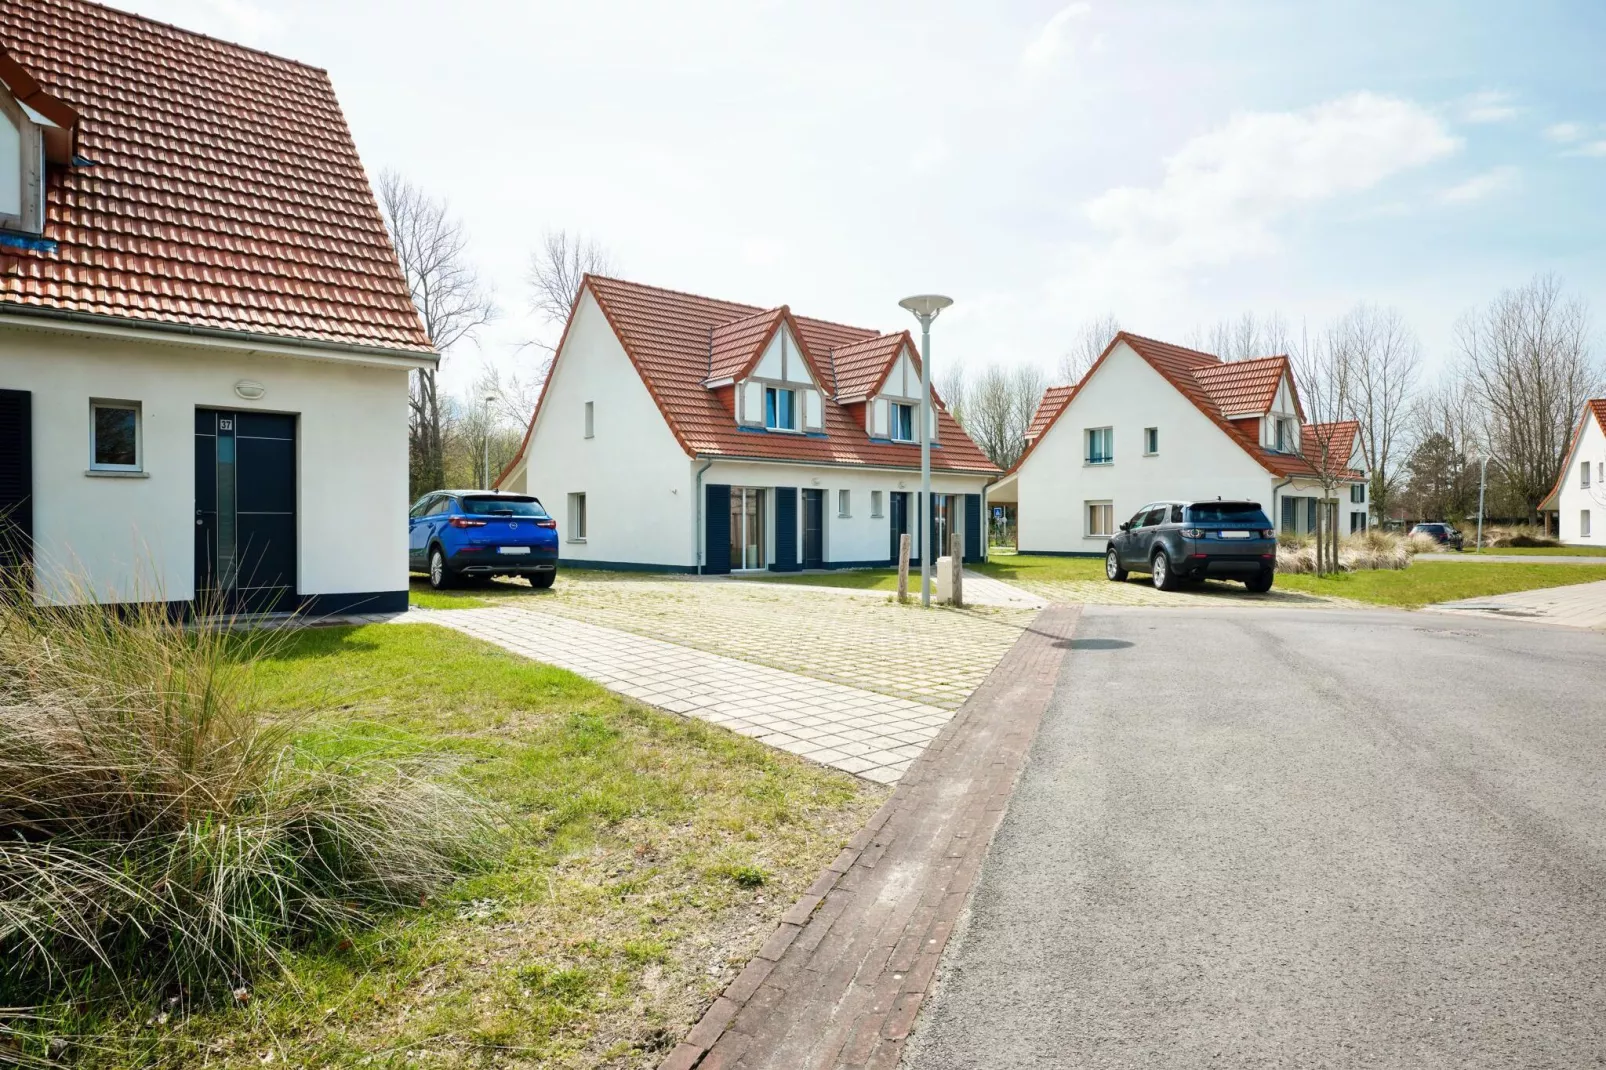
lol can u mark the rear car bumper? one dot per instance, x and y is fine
(487, 562)
(1236, 566)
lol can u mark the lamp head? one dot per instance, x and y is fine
(926, 306)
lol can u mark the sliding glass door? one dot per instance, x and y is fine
(747, 528)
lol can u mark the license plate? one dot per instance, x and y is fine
(512, 549)
(1235, 534)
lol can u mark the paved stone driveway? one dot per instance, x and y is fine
(1138, 591)
(874, 736)
(936, 657)
(1581, 605)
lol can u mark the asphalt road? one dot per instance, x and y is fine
(1296, 839)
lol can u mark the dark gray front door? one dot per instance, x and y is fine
(16, 480)
(814, 529)
(245, 511)
(899, 515)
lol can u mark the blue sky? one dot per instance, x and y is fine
(1171, 162)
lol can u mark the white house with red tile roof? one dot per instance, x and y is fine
(1157, 422)
(205, 338)
(1579, 497)
(682, 433)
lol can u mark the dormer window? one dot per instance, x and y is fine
(1286, 440)
(22, 165)
(903, 423)
(780, 409)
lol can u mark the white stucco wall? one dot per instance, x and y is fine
(134, 538)
(1574, 498)
(1196, 459)
(860, 537)
(637, 479)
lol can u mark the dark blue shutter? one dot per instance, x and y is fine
(717, 525)
(785, 530)
(1310, 514)
(973, 546)
(1289, 507)
(16, 478)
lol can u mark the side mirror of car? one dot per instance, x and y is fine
(1126, 525)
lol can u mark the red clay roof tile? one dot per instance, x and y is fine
(1054, 400)
(217, 187)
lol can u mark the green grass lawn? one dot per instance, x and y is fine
(649, 855)
(1428, 581)
(1023, 568)
(1545, 551)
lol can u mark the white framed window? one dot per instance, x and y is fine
(22, 168)
(577, 518)
(1357, 493)
(591, 426)
(1151, 441)
(875, 503)
(903, 422)
(844, 503)
(1583, 474)
(780, 408)
(1287, 441)
(1101, 445)
(1100, 520)
(115, 437)
(1583, 524)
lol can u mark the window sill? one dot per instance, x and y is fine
(575, 540)
(1151, 453)
(785, 431)
(1098, 464)
(113, 473)
(1098, 536)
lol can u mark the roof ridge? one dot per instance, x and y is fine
(137, 17)
(1170, 345)
(739, 304)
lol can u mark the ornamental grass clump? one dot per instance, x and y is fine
(160, 833)
(1518, 535)
(1371, 549)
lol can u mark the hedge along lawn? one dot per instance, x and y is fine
(650, 856)
(1427, 582)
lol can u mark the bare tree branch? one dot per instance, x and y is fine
(996, 408)
(1383, 359)
(558, 268)
(1088, 343)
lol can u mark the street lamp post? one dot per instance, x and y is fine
(487, 461)
(1483, 479)
(926, 308)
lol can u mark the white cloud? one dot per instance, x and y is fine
(1050, 41)
(1594, 148)
(1480, 186)
(1224, 191)
(1489, 106)
(1566, 132)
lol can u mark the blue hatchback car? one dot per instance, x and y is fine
(453, 534)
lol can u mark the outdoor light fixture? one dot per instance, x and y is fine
(926, 308)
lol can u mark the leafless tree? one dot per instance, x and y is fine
(1527, 361)
(1088, 343)
(1245, 338)
(1441, 469)
(997, 407)
(432, 247)
(557, 270)
(1383, 360)
(1322, 375)
(953, 387)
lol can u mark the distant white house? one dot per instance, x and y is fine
(682, 433)
(1153, 422)
(205, 337)
(1579, 497)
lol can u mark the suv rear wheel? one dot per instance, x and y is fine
(1112, 567)
(1261, 583)
(440, 577)
(1160, 572)
(543, 580)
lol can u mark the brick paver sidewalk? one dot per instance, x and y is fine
(872, 735)
(1579, 605)
(840, 982)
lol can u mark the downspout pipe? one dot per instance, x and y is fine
(697, 529)
(1276, 514)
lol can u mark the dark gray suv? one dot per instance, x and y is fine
(1177, 541)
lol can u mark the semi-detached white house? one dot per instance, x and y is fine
(205, 338)
(1579, 497)
(1157, 422)
(681, 433)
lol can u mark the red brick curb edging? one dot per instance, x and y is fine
(840, 981)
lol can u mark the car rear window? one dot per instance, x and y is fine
(1248, 514)
(503, 506)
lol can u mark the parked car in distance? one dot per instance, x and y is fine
(1443, 534)
(454, 534)
(1178, 541)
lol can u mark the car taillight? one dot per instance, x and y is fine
(1193, 533)
(1268, 533)
(465, 522)
(546, 522)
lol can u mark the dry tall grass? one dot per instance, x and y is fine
(1519, 535)
(158, 832)
(1371, 549)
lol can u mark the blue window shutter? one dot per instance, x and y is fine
(1289, 505)
(973, 527)
(717, 525)
(785, 530)
(16, 478)
(1310, 514)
